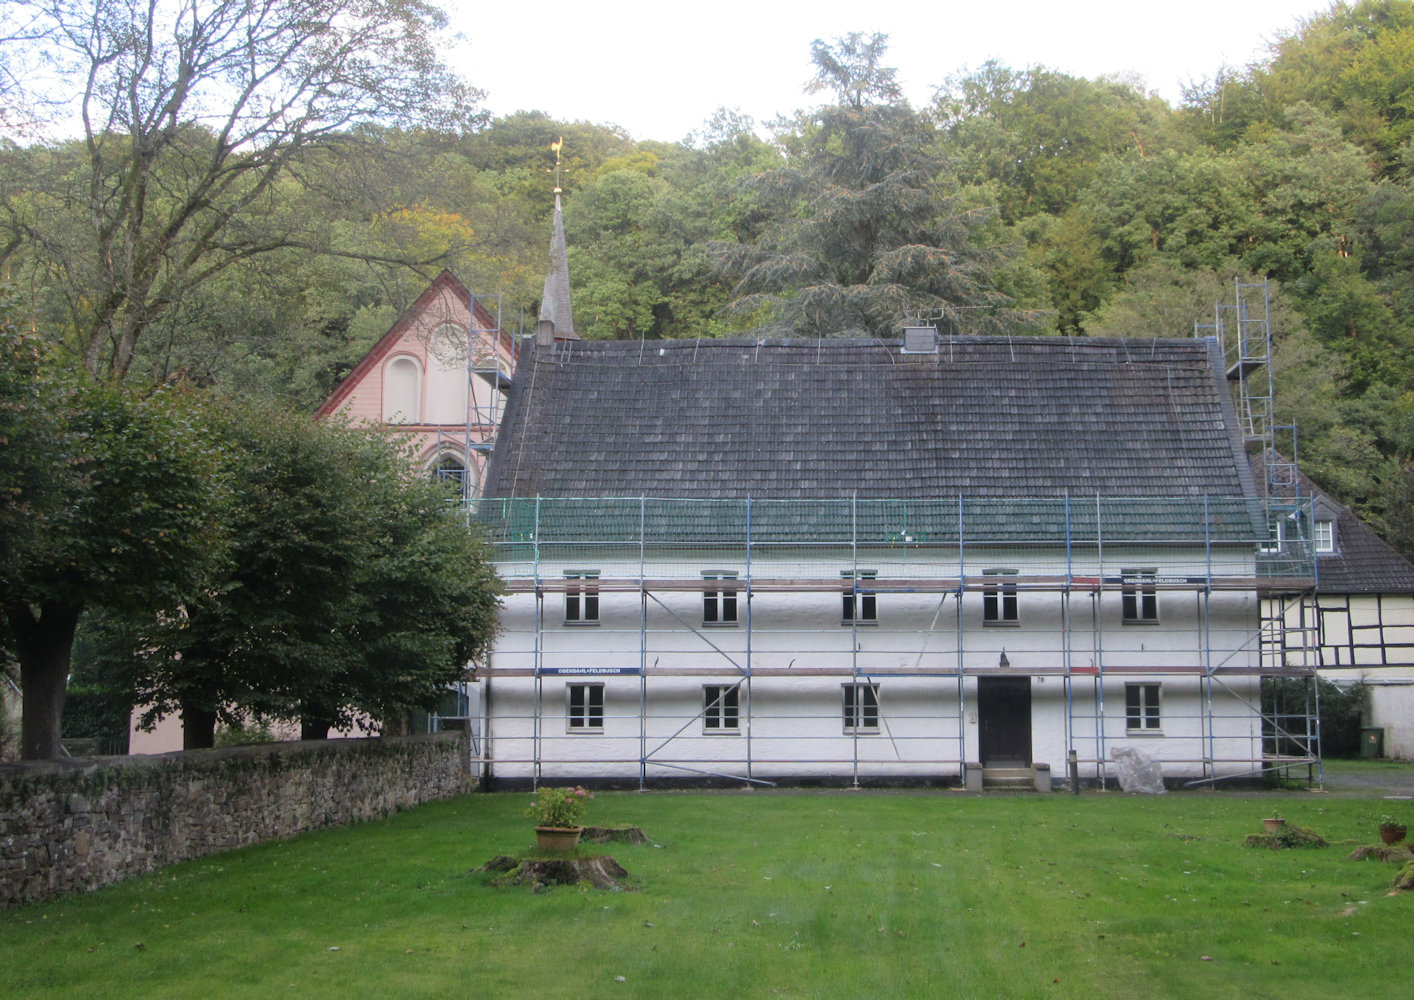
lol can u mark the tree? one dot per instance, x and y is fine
(1354, 62)
(110, 497)
(620, 256)
(1218, 110)
(851, 67)
(1042, 136)
(429, 597)
(192, 115)
(351, 592)
(866, 235)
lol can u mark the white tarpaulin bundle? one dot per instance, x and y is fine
(1138, 771)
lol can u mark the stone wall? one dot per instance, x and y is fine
(72, 825)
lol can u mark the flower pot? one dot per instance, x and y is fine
(1392, 833)
(1274, 824)
(557, 838)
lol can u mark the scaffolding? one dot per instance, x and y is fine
(1290, 619)
(922, 598)
(490, 357)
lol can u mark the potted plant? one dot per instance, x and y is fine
(557, 813)
(1392, 831)
(1274, 822)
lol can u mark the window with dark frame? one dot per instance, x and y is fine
(999, 598)
(719, 605)
(585, 708)
(582, 597)
(860, 606)
(1140, 596)
(721, 708)
(1141, 708)
(861, 708)
(453, 472)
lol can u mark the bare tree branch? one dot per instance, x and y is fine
(193, 114)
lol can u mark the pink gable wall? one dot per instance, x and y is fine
(432, 334)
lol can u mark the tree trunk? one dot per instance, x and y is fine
(315, 726)
(198, 727)
(43, 643)
(397, 724)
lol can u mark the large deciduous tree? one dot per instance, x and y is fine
(192, 114)
(108, 498)
(353, 592)
(1353, 61)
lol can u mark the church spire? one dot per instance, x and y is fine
(556, 313)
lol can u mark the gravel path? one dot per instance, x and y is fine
(1371, 777)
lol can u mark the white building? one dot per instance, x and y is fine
(847, 561)
(1360, 620)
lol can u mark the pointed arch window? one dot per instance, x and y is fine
(456, 472)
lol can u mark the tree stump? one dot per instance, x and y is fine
(601, 872)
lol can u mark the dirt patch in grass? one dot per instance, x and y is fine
(1380, 852)
(613, 834)
(599, 872)
(1287, 836)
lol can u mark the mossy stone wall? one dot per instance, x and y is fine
(79, 824)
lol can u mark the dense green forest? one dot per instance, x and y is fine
(1019, 199)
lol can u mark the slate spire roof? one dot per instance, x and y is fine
(1023, 417)
(555, 300)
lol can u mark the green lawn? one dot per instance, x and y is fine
(760, 894)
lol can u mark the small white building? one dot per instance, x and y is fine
(854, 561)
(1360, 620)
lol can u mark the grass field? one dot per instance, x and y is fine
(761, 894)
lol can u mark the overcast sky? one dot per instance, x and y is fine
(659, 69)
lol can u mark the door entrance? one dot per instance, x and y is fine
(1004, 721)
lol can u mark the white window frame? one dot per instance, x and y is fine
(867, 603)
(860, 714)
(1324, 535)
(999, 600)
(1147, 709)
(1276, 540)
(721, 709)
(581, 597)
(719, 607)
(1139, 596)
(584, 708)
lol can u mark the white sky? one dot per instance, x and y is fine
(659, 69)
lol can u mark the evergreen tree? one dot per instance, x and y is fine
(866, 234)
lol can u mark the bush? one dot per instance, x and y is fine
(1341, 713)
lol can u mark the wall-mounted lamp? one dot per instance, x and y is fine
(1002, 661)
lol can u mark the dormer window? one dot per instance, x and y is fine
(1325, 535)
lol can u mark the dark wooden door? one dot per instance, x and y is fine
(1004, 721)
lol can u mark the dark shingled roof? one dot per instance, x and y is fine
(986, 417)
(1363, 562)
